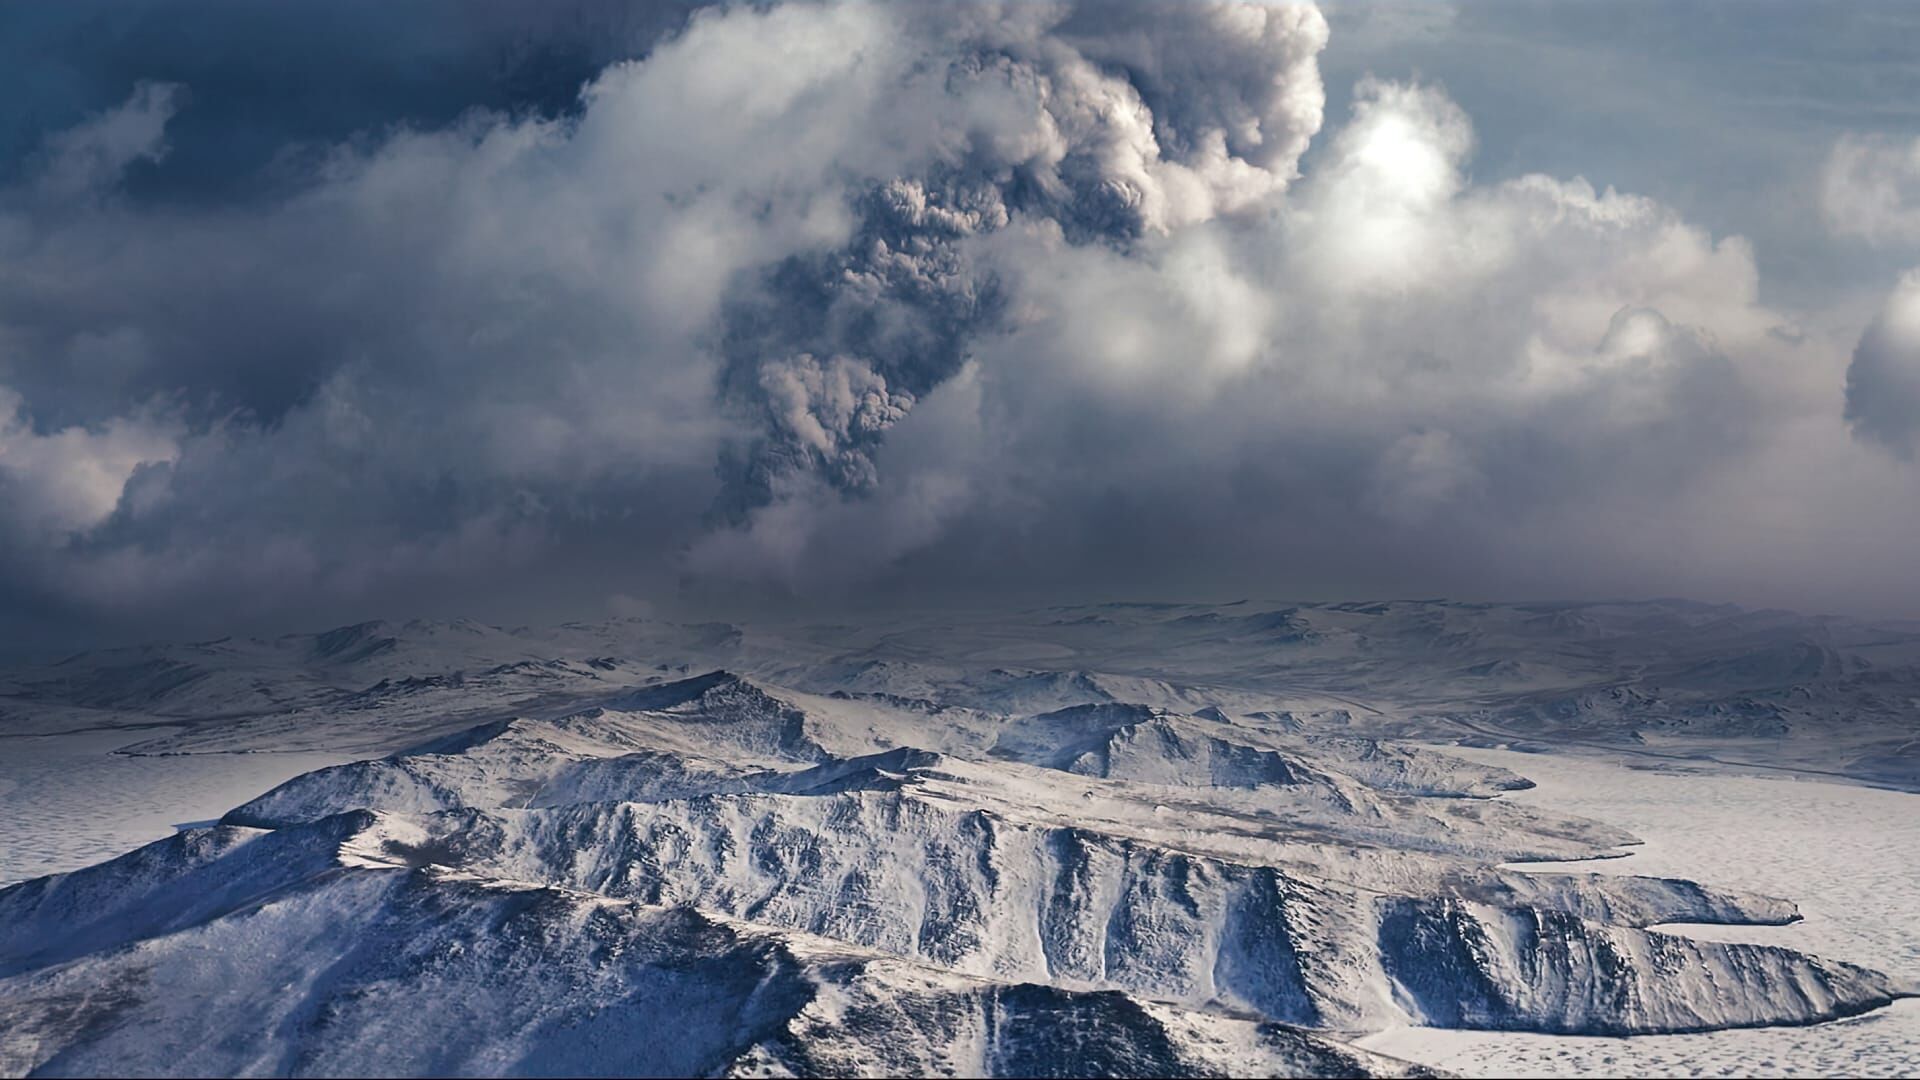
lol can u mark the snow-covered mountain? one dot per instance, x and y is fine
(1133, 839)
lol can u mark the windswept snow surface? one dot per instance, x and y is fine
(1847, 854)
(68, 801)
(1130, 839)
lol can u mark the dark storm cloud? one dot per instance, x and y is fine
(859, 302)
(273, 77)
(260, 97)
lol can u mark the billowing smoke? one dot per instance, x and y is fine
(1108, 123)
(834, 300)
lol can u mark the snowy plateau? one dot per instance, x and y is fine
(1396, 838)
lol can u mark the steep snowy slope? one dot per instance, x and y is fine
(231, 950)
(326, 956)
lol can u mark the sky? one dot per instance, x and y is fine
(318, 312)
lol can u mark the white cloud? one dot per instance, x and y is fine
(1395, 364)
(57, 484)
(1870, 189)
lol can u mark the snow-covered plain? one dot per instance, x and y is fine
(1134, 838)
(69, 801)
(1848, 855)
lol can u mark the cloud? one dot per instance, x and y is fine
(56, 485)
(92, 157)
(1870, 189)
(898, 302)
(1883, 382)
(1396, 378)
(494, 334)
